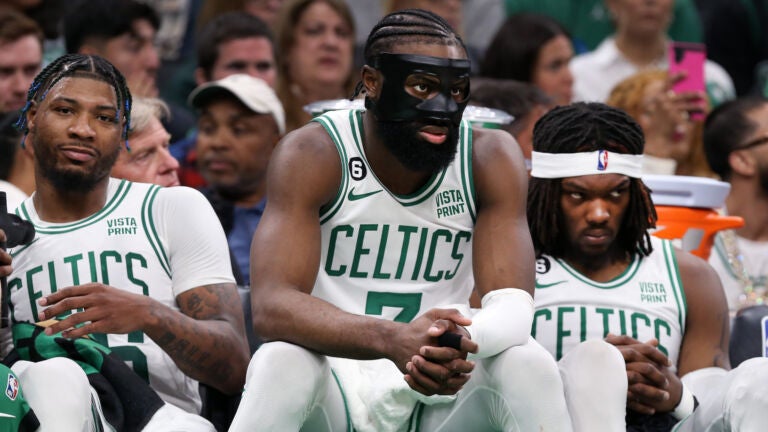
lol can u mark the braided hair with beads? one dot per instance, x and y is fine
(407, 26)
(586, 127)
(79, 65)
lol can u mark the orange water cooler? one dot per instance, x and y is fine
(687, 210)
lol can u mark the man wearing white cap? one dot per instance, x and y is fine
(600, 276)
(239, 125)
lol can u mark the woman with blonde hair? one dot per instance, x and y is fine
(673, 141)
(315, 40)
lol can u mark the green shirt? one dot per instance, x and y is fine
(589, 21)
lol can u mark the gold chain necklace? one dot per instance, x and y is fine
(750, 294)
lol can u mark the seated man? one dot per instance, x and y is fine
(600, 275)
(146, 159)
(378, 226)
(141, 269)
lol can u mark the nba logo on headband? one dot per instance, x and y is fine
(602, 160)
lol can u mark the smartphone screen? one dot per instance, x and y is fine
(688, 57)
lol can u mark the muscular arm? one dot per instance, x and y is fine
(503, 254)
(705, 341)
(304, 174)
(206, 340)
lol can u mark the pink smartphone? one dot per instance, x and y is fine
(688, 57)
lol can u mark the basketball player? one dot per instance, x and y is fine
(600, 275)
(377, 222)
(141, 269)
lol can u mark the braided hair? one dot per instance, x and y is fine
(585, 127)
(408, 26)
(90, 66)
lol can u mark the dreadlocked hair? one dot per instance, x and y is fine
(585, 127)
(407, 26)
(90, 66)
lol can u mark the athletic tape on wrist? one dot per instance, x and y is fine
(560, 165)
(504, 321)
(687, 405)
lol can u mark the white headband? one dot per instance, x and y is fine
(560, 165)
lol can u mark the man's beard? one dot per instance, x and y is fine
(69, 180)
(403, 140)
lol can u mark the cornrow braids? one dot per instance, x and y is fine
(69, 65)
(584, 127)
(404, 26)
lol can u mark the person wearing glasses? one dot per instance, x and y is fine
(735, 138)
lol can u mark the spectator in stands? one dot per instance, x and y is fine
(233, 42)
(673, 142)
(240, 122)
(591, 21)
(316, 40)
(145, 158)
(640, 42)
(123, 32)
(21, 55)
(534, 49)
(735, 138)
(525, 102)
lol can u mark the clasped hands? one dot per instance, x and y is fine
(653, 385)
(429, 368)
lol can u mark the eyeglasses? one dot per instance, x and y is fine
(754, 143)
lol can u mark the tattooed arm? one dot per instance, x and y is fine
(207, 341)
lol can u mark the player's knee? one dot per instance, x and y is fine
(529, 362)
(748, 384)
(294, 359)
(599, 354)
(594, 363)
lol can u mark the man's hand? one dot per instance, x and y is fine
(653, 387)
(5, 258)
(103, 309)
(434, 369)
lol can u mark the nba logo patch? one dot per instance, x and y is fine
(764, 326)
(12, 388)
(602, 160)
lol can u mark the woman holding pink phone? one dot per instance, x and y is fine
(639, 43)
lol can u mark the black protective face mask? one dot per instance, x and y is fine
(395, 104)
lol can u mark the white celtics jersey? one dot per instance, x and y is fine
(128, 245)
(395, 256)
(646, 301)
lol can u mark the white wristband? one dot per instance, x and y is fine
(504, 321)
(686, 406)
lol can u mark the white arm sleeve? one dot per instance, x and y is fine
(504, 321)
(193, 239)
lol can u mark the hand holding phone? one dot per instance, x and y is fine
(687, 60)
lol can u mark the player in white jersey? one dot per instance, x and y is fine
(600, 276)
(378, 226)
(141, 269)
